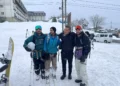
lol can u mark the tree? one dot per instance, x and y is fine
(83, 22)
(97, 21)
(54, 19)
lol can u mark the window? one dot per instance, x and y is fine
(101, 35)
(106, 35)
(2, 13)
(1, 6)
(95, 36)
(110, 35)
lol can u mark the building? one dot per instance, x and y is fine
(36, 15)
(13, 10)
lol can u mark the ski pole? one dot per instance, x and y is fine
(31, 72)
(58, 55)
(33, 69)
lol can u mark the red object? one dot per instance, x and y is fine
(78, 27)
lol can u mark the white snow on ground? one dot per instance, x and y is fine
(103, 66)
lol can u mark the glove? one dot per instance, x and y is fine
(83, 58)
(27, 49)
(46, 56)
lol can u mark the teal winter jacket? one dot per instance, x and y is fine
(38, 40)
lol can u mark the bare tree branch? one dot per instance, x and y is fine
(97, 21)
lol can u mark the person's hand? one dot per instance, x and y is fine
(83, 58)
(27, 49)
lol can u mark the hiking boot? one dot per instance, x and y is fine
(78, 81)
(69, 77)
(63, 77)
(81, 84)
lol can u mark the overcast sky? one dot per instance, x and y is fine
(101, 7)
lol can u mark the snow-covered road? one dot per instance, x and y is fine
(103, 65)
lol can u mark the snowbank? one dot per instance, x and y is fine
(115, 38)
(30, 26)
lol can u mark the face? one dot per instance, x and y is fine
(38, 31)
(66, 31)
(78, 31)
(52, 31)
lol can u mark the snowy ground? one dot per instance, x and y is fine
(103, 66)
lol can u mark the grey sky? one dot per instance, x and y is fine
(78, 12)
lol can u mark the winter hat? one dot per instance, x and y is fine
(38, 27)
(78, 27)
(54, 29)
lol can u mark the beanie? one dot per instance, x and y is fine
(38, 27)
(78, 27)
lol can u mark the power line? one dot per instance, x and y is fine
(93, 6)
(116, 5)
(76, 4)
(80, 5)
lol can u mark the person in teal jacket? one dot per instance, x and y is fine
(38, 39)
(50, 46)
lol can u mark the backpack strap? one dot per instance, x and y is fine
(48, 38)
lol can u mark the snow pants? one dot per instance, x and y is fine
(39, 66)
(81, 71)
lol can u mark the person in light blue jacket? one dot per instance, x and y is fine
(51, 47)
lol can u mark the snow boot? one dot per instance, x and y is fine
(69, 77)
(81, 84)
(37, 77)
(47, 79)
(63, 77)
(43, 74)
(54, 76)
(54, 73)
(78, 81)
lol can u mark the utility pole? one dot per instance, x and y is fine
(62, 15)
(65, 12)
(111, 25)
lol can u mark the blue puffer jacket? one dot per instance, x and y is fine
(51, 43)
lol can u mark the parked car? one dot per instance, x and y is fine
(103, 37)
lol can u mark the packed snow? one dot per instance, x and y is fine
(103, 65)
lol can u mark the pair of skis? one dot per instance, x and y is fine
(51, 82)
(51, 78)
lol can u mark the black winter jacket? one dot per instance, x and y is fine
(67, 42)
(83, 41)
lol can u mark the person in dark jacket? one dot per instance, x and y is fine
(66, 46)
(37, 53)
(82, 49)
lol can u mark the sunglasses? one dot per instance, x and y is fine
(38, 29)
